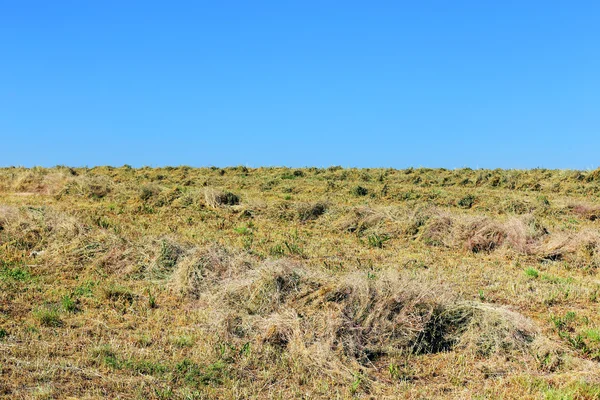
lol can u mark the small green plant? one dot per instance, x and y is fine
(247, 241)
(394, 371)
(103, 222)
(106, 356)
(593, 335)
(377, 241)
(293, 248)
(543, 200)
(85, 290)
(355, 386)
(68, 303)
(151, 300)
(565, 322)
(3, 334)
(243, 230)
(532, 272)
(9, 272)
(48, 317)
(277, 250)
(168, 256)
(183, 341)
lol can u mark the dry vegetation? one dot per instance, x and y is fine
(182, 283)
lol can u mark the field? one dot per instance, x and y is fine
(186, 283)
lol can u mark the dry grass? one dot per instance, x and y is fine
(152, 283)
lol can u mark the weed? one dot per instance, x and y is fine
(532, 272)
(69, 304)
(48, 317)
(377, 241)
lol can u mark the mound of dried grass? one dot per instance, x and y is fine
(587, 211)
(200, 269)
(524, 234)
(481, 234)
(437, 230)
(40, 181)
(90, 186)
(311, 211)
(30, 228)
(581, 249)
(217, 198)
(339, 325)
(363, 218)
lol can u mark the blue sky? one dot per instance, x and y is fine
(511, 84)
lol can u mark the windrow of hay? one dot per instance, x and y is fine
(200, 269)
(523, 234)
(62, 239)
(94, 187)
(362, 218)
(36, 229)
(581, 249)
(346, 322)
(587, 211)
(40, 181)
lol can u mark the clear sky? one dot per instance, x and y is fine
(481, 84)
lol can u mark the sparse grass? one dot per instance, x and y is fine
(318, 283)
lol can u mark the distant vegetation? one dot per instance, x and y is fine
(185, 283)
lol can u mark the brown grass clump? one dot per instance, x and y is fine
(311, 211)
(587, 211)
(437, 230)
(342, 324)
(581, 250)
(90, 186)
(524, 234)
(481, 234)
(363, 218)
(521, 234)
(38, 229)
(216, 198)
(40, 181)
(200, 269)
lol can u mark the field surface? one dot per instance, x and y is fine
(185, 283)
